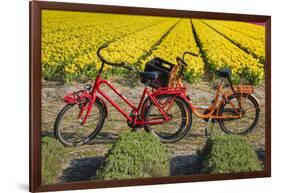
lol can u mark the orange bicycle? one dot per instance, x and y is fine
(236, 109)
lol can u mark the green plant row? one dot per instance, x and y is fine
(135, 155)
(228, 153)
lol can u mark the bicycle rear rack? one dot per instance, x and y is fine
(247, 89)
(78, 97)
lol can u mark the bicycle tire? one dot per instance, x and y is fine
(184, 127)
(91, 136)
(253, 125)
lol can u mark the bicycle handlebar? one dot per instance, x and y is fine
(102, 58)
(179, 60)
(122, 64)
(182, 63)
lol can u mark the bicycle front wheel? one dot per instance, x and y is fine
(250, 110)
(180, 115)
(68, 126)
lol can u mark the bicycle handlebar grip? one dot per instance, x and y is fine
(193, 54)
(129, 67)
(190, 53)
(124, 65)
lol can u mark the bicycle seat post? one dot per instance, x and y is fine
(147, 83)
(222, 81)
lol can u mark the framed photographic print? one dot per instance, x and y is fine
(123, 96)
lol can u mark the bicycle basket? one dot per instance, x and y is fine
(165, 70)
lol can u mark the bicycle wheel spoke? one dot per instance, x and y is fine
(173, 129)
(180, 119)
(70, 129)
(249, 108)
(248, 114)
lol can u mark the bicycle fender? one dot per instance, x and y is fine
(103, 104)
(257, 100)
(187, 101)
(252, 95)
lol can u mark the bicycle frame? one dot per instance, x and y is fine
(136, 110)
(132, 117)
(211, 108)
(217, 103)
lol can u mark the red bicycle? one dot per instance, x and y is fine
(162, 110)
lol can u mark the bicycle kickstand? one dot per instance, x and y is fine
(209, 126)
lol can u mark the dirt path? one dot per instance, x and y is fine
(84, 160)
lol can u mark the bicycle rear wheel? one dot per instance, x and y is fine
(178, 111)
(250, 110)
(68, 128)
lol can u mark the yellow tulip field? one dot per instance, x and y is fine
(70, 41)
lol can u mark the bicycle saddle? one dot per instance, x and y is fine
(149, 75)
(224, 72)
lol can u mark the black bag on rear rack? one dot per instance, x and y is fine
(164, 69)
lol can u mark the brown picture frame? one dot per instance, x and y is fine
(35, 8)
